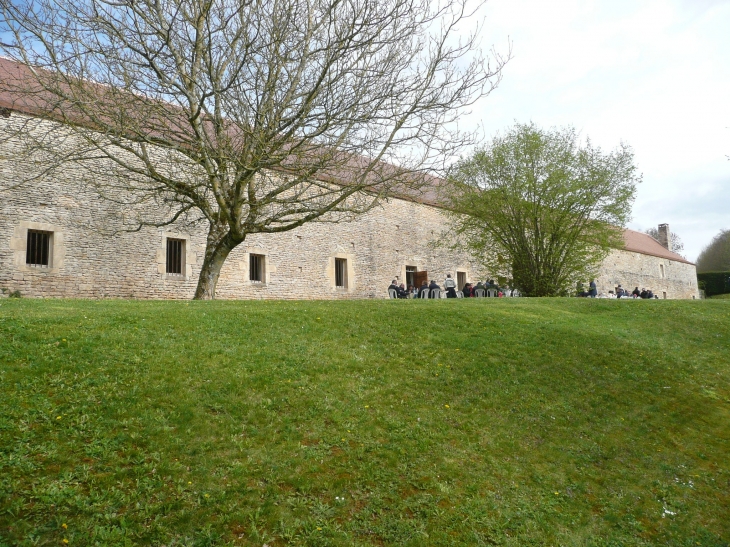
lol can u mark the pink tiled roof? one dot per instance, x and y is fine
(645, 244)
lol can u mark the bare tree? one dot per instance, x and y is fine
(253, 116)
(677, 245)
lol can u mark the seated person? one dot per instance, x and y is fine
(642, 294)
(402, 292)
(467, 290)
(478, 286)
(412, 291)
(636, 292)
(433, 286)
(423, 286)
(393, 286)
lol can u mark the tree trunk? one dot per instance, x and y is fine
(219, 245)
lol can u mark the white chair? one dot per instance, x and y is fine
(435, 293)
(424, 293)
(459, 294)
(492, 293)
(392, 293)
(479, 293)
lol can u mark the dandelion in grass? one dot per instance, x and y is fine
(447, 406)
(64, 526)
(58, 417)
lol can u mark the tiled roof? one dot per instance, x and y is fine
(12, 71)
(639, 242)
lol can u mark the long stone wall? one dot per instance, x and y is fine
(88, 261)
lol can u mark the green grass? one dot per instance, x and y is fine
(721, 297)
(472, 422)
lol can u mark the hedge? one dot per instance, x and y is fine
(714, 282)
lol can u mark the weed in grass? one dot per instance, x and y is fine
(565, 422)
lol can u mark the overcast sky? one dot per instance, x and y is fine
(654, 74)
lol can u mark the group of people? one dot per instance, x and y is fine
(620, 292)
(469, 289)
(636, 293)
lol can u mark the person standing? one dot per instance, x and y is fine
(450, 287)
(592, 290)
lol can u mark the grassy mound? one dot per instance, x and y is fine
(469, 422)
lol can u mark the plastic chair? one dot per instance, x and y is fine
(392, 293)
(479, 293)
(459, 294)
(423, 293)
(492, 293)
(435, 293)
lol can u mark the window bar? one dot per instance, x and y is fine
(38, 248)
(174, 256)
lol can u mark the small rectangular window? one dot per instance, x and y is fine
(341, 272)
(460, 280)
(38, 248)
(661, 270)
(175, 264)
(664, 295)
(256, 270)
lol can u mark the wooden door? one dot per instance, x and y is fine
(420, 277)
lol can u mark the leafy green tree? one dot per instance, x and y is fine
(542, 207)
(715, 257)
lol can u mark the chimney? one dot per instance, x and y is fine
(665, 237)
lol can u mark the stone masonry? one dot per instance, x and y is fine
(87, 260)
(666, 278)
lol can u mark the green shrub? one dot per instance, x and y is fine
(714, 282)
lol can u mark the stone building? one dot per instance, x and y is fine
(53, 243)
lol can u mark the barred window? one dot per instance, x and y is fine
(341, 272)
(38, 248)
(256, 271)
(175, 264)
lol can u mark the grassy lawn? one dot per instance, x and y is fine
(470, 422)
